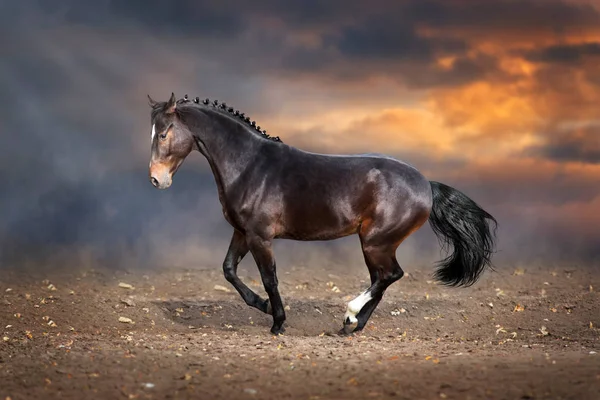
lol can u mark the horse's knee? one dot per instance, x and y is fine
(229, 272)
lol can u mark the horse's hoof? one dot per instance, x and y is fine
(343, 332)
(349, 327)
(278, 330)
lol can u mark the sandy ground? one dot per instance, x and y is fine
(529, 333)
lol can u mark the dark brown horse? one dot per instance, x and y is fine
(270, 190)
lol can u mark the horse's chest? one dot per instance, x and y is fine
(226, 215)
(232, 214)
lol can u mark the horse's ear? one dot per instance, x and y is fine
(171, 104)
(151, 102)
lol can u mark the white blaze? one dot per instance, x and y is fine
(356, 305)
(153, 133)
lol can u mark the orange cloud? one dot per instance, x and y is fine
(485, 108)
(389, 131)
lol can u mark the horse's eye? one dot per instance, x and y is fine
(163, 136)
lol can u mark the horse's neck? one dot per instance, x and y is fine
(229, 150)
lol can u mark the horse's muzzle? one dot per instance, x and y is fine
(160, 179)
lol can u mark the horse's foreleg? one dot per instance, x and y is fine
(263, 255)
(238, 248)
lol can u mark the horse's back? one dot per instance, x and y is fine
(355, 169)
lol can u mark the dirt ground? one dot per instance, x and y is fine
(521, 333)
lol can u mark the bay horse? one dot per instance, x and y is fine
(270, 190)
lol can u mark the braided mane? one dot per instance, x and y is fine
(233, 112)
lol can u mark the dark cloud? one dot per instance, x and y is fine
(410, 61)
(392, 39)
(580, 145)
(565, 53)
(176, 17)
(309, 14)
(399, 40)
(403, 40)
(506, 16)
(112, 217)
(489, 17)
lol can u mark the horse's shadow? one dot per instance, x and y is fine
(304, 318)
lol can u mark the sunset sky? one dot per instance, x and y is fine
(500, 99)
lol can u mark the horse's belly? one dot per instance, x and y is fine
(317, 222)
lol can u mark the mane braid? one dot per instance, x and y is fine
(223, 107)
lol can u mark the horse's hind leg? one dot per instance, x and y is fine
(238, 248)
(384, 270)
(379, 243)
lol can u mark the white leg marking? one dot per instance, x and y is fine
(356, 305)
(153, 133)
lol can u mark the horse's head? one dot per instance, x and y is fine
(171, 142)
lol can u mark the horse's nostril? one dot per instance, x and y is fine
(154, 181)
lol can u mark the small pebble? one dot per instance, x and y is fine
(128, 302)
(221, 288)
(125, 285)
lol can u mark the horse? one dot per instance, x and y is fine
(270, 190)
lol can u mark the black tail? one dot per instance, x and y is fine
(458, 221)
